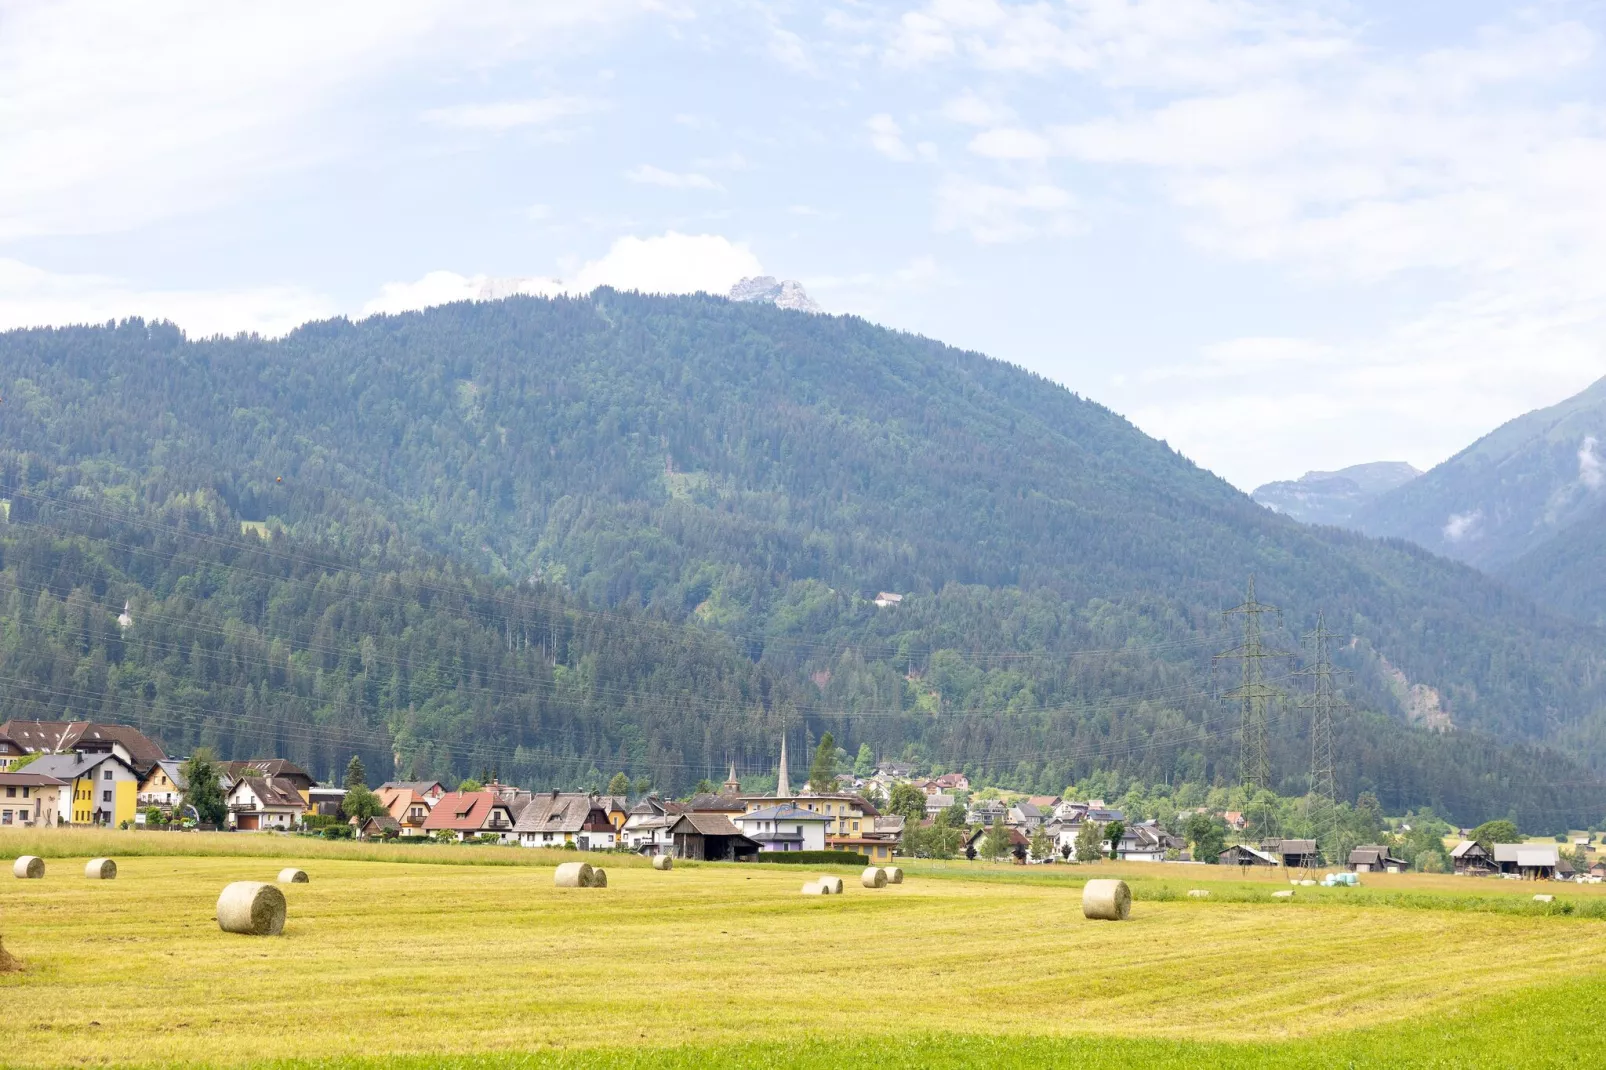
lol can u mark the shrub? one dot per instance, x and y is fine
(816, 858)
(336, 832)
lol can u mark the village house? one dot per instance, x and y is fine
(783, 828)
(377, 827)
(985, 811)
(646, 830)
(275, 769)
(465, 815)
(1146, 842)
(1374, 858)
(324, 799)
(22, 738)
(948, 783)
(102, 786)
(30, 798)
(558, 819)
(262, 803)
(407, 807)
(163, 786)
(429, 790)
(1025, 816)
(936, 804)
(710, 837)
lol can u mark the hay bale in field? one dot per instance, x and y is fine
(573, 875)
(1106, 900)
(816, 888)
(1307, 883)
(663, 862)
(28, 867)
(251, 908)
(1198, 893)
(1544, 899)
(1282, 895)
(874, 877)
(599, 878)
(292, 875)
(833, 884)
(8, 963)
(100, 869)
(894, 874)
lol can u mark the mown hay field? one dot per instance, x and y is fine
(404, 958)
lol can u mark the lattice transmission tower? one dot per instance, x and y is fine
(1323, 703)
(1256, 697)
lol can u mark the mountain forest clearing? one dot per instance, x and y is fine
(728, 964)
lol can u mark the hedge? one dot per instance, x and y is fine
(816, 858)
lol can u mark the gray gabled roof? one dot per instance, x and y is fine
(72, 766)
(557, 812)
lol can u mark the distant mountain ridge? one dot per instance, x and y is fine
(1334, 497)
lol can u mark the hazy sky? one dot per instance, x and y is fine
(1281, 236)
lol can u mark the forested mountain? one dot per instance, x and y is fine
(1334, 497)
(1509, 493)
(707, 472)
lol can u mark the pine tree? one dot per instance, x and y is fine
(356, 775)
(822, 774)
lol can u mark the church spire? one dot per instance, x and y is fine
(782, 785)
(732, 786)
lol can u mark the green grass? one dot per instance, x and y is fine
(392, 962)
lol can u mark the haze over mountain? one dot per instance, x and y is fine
(1334, 497)
(749, 477)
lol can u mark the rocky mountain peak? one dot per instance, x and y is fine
(767, 288)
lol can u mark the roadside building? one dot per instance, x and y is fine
(264, 803)
(28, 798)
(783, 828)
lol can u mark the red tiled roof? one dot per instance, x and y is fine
(463, 811)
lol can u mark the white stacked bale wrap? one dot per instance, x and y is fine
(663, 862)
(816, 888)
(1307, 883)
(1544, 899)
(1106, 900)
(100, 869)
(29, 867)
(573, 875)
(1282, 895)
(874, 877)
(599, 878)
(1198, 893)
(894, 874)
(292, 875)
(251, 908)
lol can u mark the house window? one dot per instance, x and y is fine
(107, 775)
(5, 817)
(11, 793)
(105, 796)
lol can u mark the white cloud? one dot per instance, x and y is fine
(993, 213)
(1462, 525)
(788, 49)
(648, 175)
(115, 115)
(1591, 466)
(1011, 143)
(32, 297)
(887, 138)
(509, 114)
(970, 109)
(670, 263)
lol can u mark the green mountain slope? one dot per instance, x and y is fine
(1509, 493)
(761, 474)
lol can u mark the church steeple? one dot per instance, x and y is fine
(782, 785)
(732, 786)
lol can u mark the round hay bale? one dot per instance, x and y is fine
(663, 862)
(100, 869)
(1282, 895)
(874, 877)
(292, 875)
(29, 867)
(1198, 893)
(573, 875)
(894, 874)
(599, 878)
(1307, 883)
(815, 888)
(1106, 900)
(832, 884)
(1544, 899)
(252, 908)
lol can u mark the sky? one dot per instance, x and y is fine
(1281, 236)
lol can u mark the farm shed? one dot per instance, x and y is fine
(710, 838)
(1241, 854)
(1470, 858)
(1295, 854)
(1530, 861)
(1374, 858)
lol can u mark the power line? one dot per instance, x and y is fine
(1323, 704)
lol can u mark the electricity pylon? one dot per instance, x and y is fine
(1323, 704)
(1256, 697)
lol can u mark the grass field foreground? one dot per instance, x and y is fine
(416, 959)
